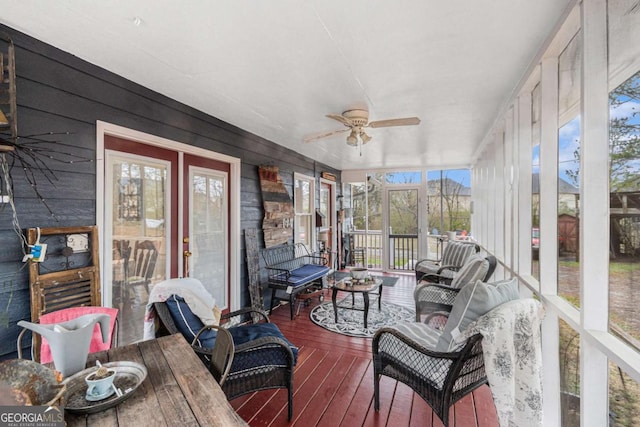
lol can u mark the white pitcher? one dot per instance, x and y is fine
(70, 340)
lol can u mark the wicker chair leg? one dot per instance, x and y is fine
(376, 391)
(290, 389)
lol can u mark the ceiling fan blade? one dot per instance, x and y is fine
(407, 121)
(322, 135)
(345, 121)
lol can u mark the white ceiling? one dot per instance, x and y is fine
(276, 67)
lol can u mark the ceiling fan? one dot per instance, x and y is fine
(355, 121)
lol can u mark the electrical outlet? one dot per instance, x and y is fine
(38, 251)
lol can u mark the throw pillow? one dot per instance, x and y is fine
(473, 301)
(188, 323)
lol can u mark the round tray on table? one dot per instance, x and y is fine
(129, 376)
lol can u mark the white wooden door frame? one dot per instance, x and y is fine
(104, 128)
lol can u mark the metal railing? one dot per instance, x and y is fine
(371, 242)
(403, 252)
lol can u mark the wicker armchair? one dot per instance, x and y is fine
(258, 364)
(441, 379)
(437, 293)
(454, 256)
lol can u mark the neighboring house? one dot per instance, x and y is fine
(455, 199)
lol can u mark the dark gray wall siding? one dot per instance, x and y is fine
(60, 93)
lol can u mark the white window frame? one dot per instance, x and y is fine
(598, 347)
(312, 209)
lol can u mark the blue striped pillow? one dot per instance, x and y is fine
(188, 323)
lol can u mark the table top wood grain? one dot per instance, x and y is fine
(178, 390)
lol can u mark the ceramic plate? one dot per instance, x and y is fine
(129, 376)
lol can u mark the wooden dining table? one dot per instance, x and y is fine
(178, 389)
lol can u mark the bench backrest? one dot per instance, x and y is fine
(287, 257)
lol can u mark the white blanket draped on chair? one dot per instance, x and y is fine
(513, 360)
(199, 300)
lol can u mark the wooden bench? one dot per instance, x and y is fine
(292, 269)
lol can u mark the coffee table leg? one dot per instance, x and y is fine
(334, 294)
(380, 299)
(365, 295)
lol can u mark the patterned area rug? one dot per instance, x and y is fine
(351, 322)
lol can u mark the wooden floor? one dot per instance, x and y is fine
(333, 382)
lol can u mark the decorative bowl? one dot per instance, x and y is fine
(40, 384)
(359, 273)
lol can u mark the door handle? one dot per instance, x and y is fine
(186, 255)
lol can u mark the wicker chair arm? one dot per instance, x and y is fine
(204, 328)
(421, 289)
(257, 344)
(430, 278)
(422, 261)
(202, 350)
(246, 310)
(416, 345)
(264, 342)
(453, 268)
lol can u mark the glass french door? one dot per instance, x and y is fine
(327, 227)
(143, 209)
(401, 233)
(206, 226)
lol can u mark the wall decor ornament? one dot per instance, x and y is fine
(279, 215)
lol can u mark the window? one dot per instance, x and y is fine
(449, 201)
(304, 200)
(569, 78)
(624, 170)
(536, 111)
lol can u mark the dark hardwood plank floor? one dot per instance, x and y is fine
(333, 382)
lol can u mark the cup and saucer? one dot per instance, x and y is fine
(100, 388)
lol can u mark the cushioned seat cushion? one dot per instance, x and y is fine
(419, 332)
(259, 358)
(188, 324)
(246, 333)
(304, 274)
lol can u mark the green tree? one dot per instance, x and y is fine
(624, 136)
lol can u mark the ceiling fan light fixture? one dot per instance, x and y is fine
(352, 139)
(364, 137)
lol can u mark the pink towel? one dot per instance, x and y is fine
(71, 313)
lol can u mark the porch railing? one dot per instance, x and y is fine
(403, 253)
(403, 249)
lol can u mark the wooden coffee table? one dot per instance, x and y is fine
(347, 285)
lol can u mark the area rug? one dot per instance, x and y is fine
(351, 322)
(386, 280)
